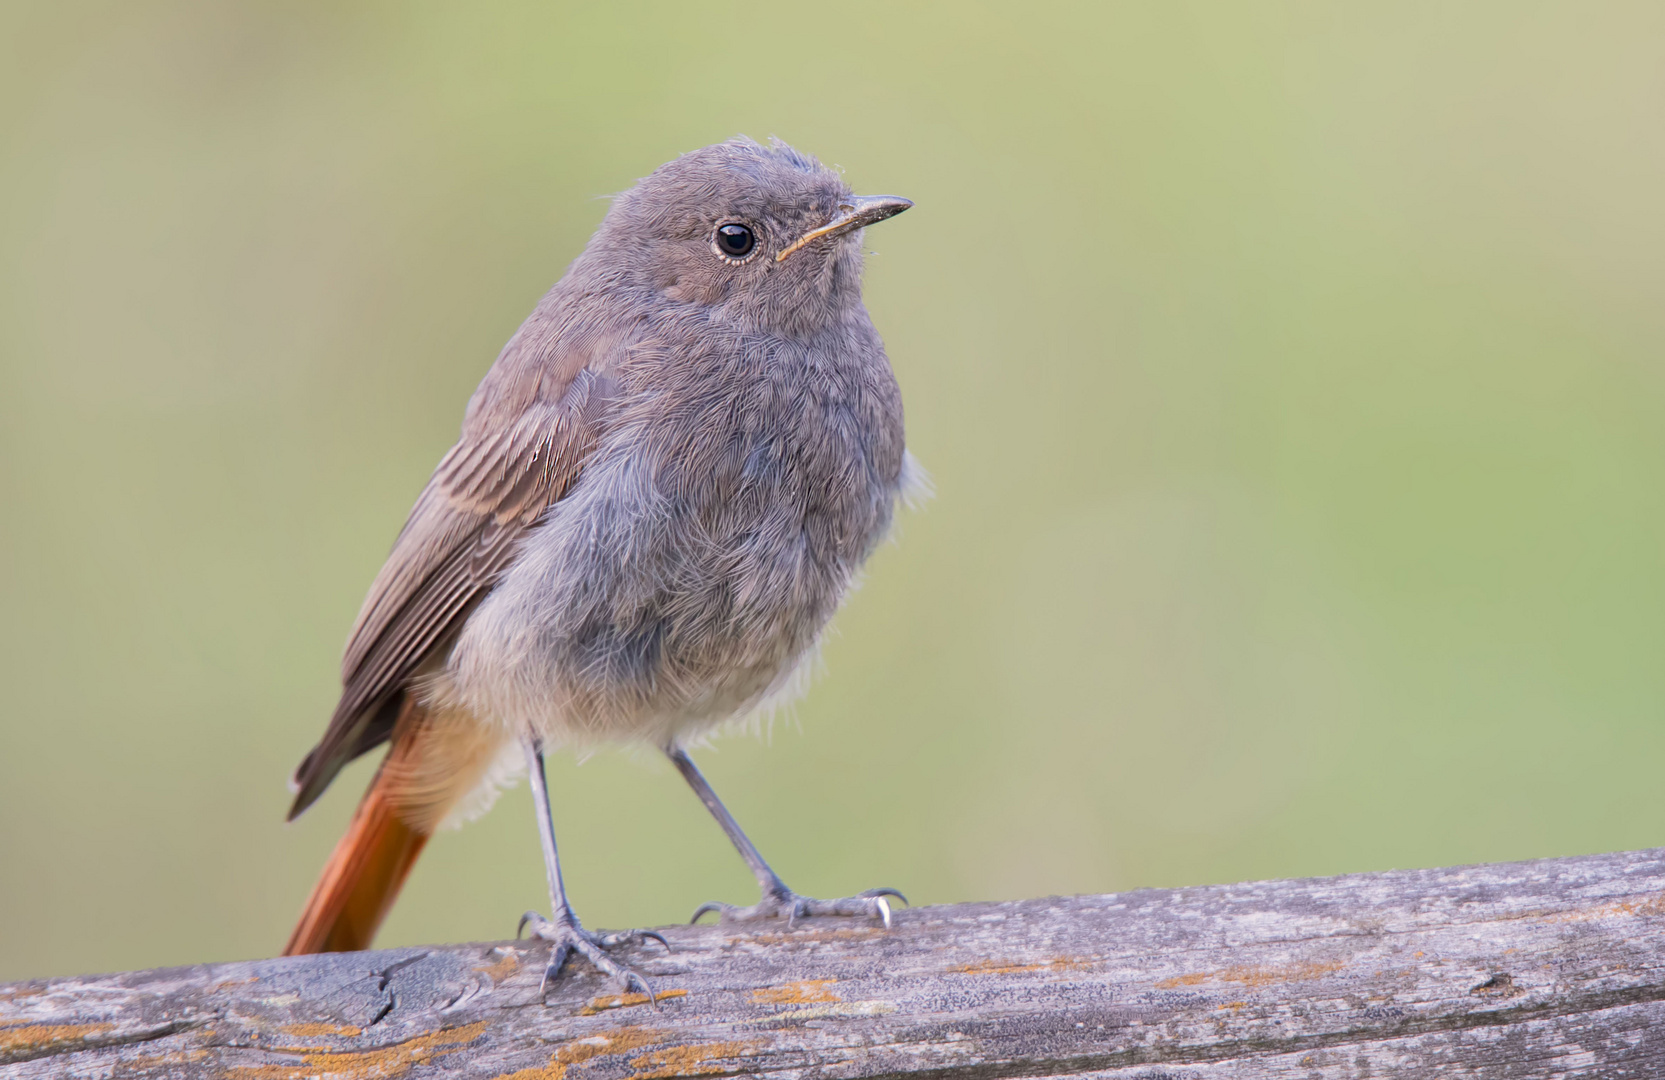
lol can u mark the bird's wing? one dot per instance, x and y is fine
(462, 534)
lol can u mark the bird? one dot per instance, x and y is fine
(664, 487)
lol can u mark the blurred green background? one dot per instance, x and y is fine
(1292, 377)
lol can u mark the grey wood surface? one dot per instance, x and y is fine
(1536, 969)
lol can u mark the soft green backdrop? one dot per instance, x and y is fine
(1293, 379)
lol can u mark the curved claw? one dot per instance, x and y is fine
(632, 977)
(636, 937)
(530, 916)
(788, 905)
(707, 908)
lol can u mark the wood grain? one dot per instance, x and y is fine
(1546, 968)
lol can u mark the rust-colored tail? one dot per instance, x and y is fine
(363, 876)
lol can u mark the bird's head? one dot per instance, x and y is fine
(767, 236)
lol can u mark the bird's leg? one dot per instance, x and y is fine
(563, 931)
(777, 900)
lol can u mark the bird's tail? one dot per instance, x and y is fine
(363, 876)
(444, 766)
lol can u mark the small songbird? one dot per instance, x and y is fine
(664, 487)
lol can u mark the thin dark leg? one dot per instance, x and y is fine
(776, 899)
(562, 930)
(558, 905)
(767, 880)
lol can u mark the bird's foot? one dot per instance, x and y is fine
(566, 936)
(784, 903)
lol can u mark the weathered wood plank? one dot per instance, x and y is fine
(1547, 968)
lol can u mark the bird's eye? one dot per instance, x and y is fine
(735, 240)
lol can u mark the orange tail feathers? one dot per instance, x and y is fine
(364, 875)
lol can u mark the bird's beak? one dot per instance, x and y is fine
(854, 213)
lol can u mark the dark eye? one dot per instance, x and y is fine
(735, 240)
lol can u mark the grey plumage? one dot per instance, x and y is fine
(664, 487)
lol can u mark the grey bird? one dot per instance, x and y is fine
(664, 488)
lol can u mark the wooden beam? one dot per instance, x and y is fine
(1546, 968)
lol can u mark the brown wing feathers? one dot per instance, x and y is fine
(487, 491)
(460, 537)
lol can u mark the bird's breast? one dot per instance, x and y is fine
(694, 565)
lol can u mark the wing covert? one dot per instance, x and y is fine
(488, 490)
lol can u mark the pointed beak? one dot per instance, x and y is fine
(857, 212)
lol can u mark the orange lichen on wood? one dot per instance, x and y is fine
(142, 1062)
(618, 1041)
(46, 1036)
(796, 993)
(624, 1001)
(382, 1063)
(696, 1060)
(502, 969)
(1254, 976)
(232, 984)
(318, 1031)
(1013, 967)
(837, 1008)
